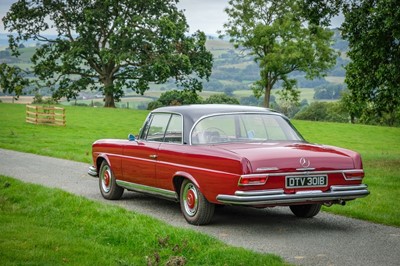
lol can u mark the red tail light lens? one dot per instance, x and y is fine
(252, 180)
(353, 175)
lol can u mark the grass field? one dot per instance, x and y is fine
(42, 226)
(379, 147)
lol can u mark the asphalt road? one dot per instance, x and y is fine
(323, 240)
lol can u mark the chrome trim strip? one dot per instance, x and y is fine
(311, 172)
(277, 196)
(149, 190)
(348, 187)
(305, 169)
(92, 171)
(264, 169)
(306, 173)
(259, 192)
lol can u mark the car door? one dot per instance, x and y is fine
(171, 153)
(140, 156)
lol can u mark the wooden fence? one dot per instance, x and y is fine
(45, 115)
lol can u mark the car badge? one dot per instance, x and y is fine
(304, 162)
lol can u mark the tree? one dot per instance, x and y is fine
(281, 40)
(109, 45)
(320, 12)
(372, 28)
(324, 111)
(221, 99)
(12, 79)
(175, 97)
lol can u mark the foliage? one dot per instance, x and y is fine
(281, 40)
(184, 97)
(44, 226)
(109, 45)
(38, 99)
(320, 12)
(288, 102)
(324, 111)
(372, 28)
(221, 99)
(175, 97)
(12, 79)
(251, 100)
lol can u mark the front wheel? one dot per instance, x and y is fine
(108, 187)
(305, 211)
(195, 207)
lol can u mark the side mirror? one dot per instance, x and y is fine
(131, 137)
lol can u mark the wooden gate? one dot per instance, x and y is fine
(45, 115)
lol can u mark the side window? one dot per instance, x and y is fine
(174, 130)
(145, 129)
(157, 128)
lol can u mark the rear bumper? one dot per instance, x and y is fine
(278, 197)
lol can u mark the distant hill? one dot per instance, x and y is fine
(232, 71)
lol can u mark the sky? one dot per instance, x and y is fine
(205, 15)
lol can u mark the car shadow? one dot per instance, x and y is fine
(271, 220)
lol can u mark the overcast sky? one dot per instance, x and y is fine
(204, 15)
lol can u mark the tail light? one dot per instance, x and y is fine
(353, 175)
(252, 180)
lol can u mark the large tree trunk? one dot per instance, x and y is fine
(109, 93)
(267, 94)
(109, 101)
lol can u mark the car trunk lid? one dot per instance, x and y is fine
(288, 157)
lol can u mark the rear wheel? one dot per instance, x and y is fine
(194, 206)
(108, 187)
(305, 211)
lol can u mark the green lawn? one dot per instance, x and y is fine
(379, 147)
(380, 150)
(43, 226)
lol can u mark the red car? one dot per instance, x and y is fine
(207, 155)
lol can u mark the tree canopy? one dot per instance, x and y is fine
(109, 45)
(12, 79)
(281, 39)
(372, 28)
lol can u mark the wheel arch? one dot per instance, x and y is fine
(178, 179)
(99, 161)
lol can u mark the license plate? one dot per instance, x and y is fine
(306, 181)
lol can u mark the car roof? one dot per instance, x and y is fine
(192, 113)
(196, 111)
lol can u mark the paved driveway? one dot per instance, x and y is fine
(323, 240)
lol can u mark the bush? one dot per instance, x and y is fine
(323, 111)
(38, 99)
(175, 97)
(221, 99)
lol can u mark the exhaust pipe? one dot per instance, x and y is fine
(342, 202)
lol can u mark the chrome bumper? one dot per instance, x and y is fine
(278, 197)
(92, 171)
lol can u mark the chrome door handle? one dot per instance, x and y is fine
(153, 156)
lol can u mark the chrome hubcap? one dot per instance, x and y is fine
(106, 179)
(190, 199)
